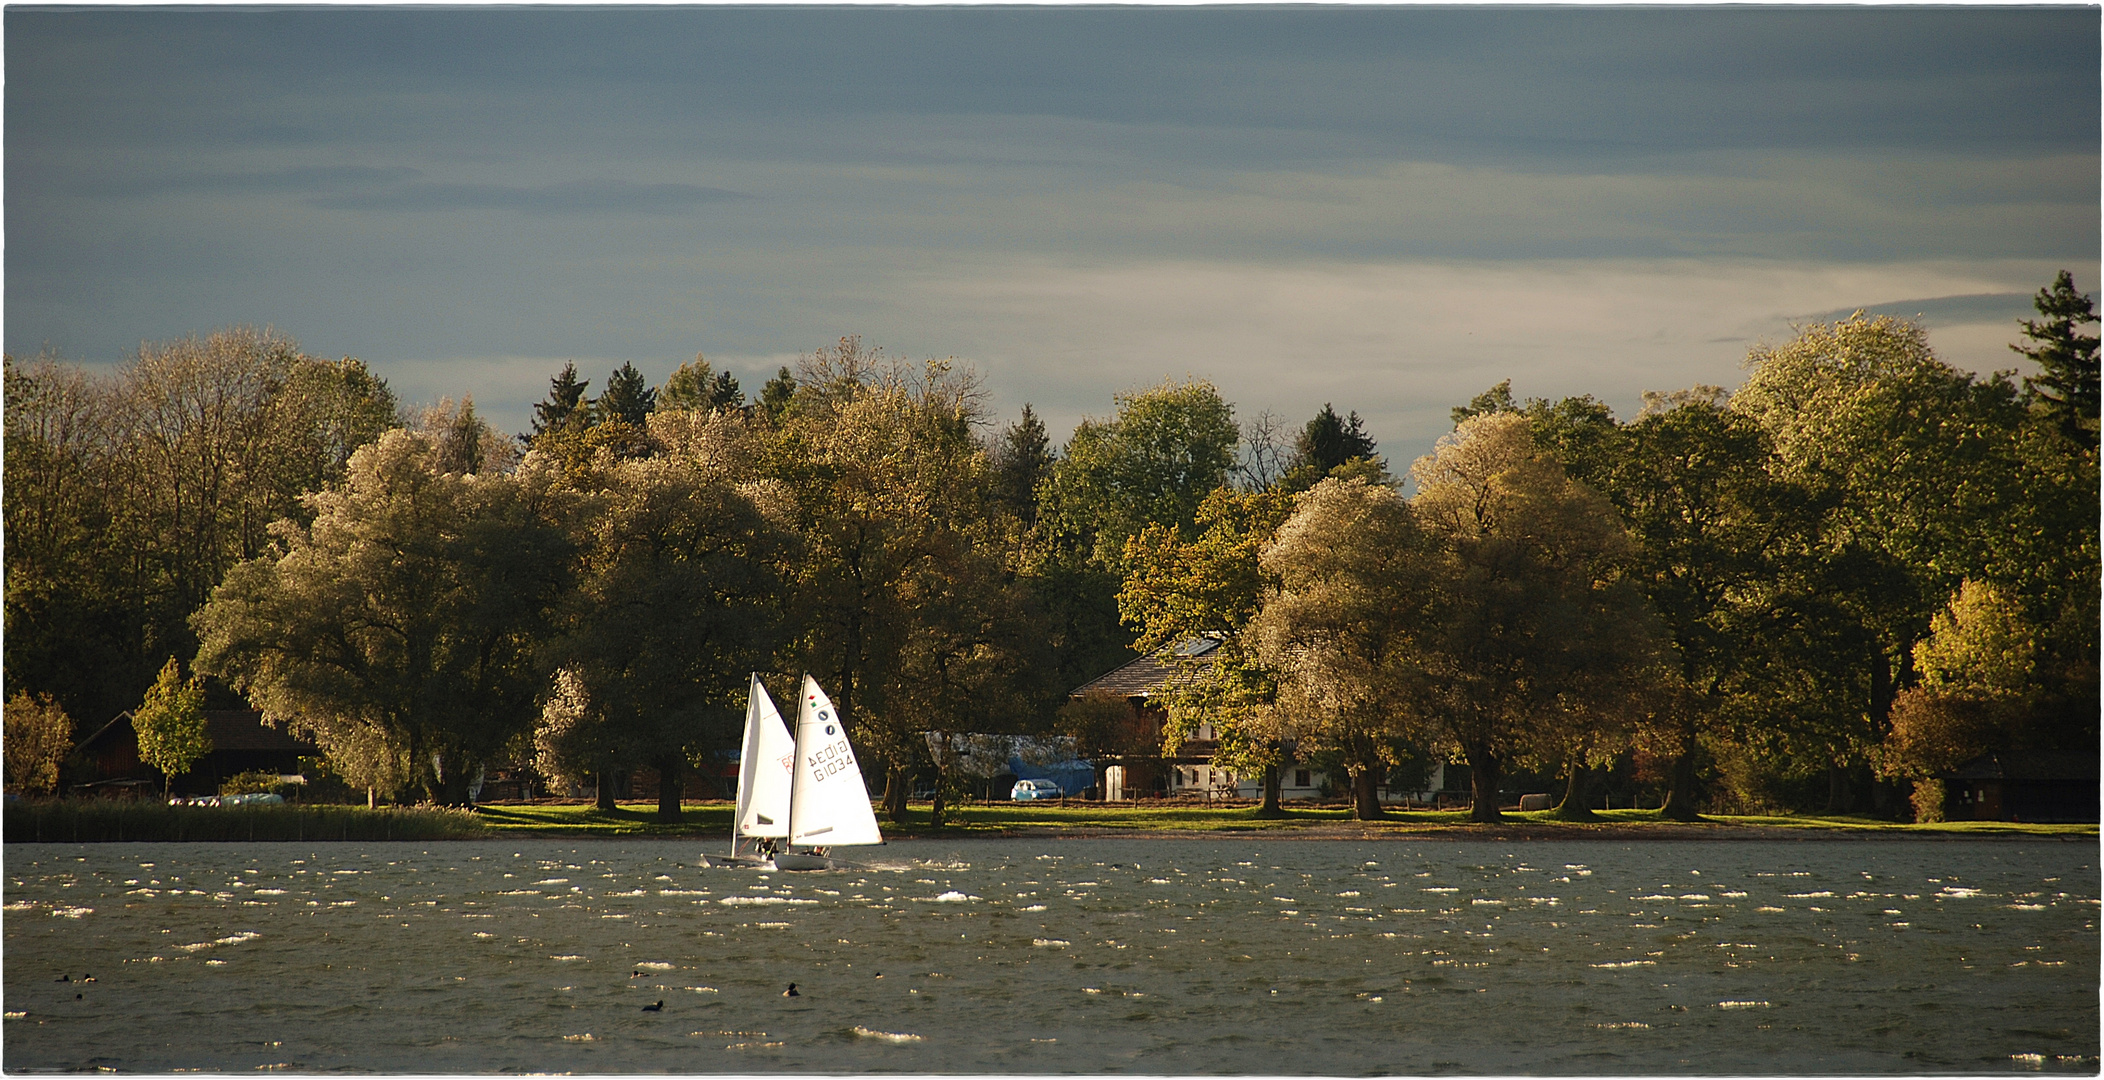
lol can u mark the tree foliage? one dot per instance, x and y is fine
(39, 735)
(406, 617)
(2065, 389)
(170, 723)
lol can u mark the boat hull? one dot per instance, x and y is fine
(798, 860)
(737, 862)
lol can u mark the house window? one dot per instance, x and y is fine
(1301, 778)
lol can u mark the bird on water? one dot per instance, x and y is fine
(658, 1007)
(791, 992)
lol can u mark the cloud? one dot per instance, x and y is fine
(1974, 309)
(568, 197)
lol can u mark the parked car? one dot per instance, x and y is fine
(1028, 790)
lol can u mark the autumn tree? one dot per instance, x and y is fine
(1344, 630)
(405, 617)
(914, 620)
(170, 724)
(1211, 586)
(1154, 462)
(679, 594)
(1537, 626)
(129, 495)
(38, 737)
(1709, 521)
(1917, 469)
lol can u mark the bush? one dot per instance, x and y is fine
(1928, 801)
(259, 782)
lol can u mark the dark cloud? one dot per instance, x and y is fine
(571, 197)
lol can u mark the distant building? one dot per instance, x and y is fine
(2034, 786)
(1190, 771)
(241, 742)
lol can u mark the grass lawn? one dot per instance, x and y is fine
(712, 820)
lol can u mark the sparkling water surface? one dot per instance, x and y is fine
(1164, 956)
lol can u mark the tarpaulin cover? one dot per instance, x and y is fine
(1073, 775)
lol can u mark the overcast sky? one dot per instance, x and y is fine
(1390, 209)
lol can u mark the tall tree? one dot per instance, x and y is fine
(1538, 630)
(1155, 461)
(1326, 442)
(2065, 389)
(678, 597)
(914, 622)
(1709, 520)
(627, 398)
(1344, 629)
(564, 407)
(1917, 467)
(405, 617)
(1211, 587)
(176, 464)
(1021, 458)
(776, 394)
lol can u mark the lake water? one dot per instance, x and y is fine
(1157, 956)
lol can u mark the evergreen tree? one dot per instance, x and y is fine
(628, 396)
(695, 386)
(1329, 441)
(565, 402)
(1021, 458)
(774, 397)
(2066, 387)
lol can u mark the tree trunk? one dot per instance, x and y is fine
(940, 806)
(897, 785)
(1484, 772)
(1271, 807)
(1839, 800)
(1366, 793)
(672, 788)
(1575, 806)
(603, 795)
(1680, 792)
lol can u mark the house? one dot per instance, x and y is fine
(2035, 786)
(241, 742)
(1190, 771)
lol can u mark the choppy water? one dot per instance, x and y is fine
(1044, 956)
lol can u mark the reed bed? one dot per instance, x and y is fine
(102, 820)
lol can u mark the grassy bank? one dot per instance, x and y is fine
(712, 820)
(95, 820)
(99, 820)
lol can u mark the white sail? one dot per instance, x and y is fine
(764, 766)
(829, 806)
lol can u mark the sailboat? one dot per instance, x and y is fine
(804, 789)
(767, 754)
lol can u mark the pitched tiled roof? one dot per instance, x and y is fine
(230, 729)
(1148, 674)
(2026, 765)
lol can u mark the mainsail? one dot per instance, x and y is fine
(828, 805)
(764, 768)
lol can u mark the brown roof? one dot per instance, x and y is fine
(1148, 674)
(230, 729)
(2026, 765)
